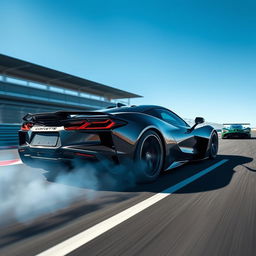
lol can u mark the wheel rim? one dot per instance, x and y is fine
(214, 146)
(151, 154)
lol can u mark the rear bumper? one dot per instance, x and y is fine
(48, 158)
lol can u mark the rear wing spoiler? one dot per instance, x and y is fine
(64, 114)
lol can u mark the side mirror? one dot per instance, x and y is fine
(199, 120)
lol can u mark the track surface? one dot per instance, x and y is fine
(214, 215)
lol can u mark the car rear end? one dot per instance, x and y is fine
(50, 139)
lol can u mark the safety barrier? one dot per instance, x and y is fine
(9, 135)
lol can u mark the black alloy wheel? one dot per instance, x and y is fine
(214, 145)
(149, 157)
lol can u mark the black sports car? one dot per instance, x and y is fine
(150, 134)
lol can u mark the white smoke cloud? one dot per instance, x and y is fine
(25, 193)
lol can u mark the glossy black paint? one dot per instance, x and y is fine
(119, 144)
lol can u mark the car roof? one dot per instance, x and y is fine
(140, 108)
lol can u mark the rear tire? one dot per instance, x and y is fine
(149, 156)
(213, 146)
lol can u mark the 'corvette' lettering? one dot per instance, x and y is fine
(46, 129)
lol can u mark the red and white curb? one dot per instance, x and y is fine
(10, 162)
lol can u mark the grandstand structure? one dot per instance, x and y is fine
(29, 88)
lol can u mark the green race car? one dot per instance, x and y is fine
(241, 130)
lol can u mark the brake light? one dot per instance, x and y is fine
(92, 125)
(26, 126)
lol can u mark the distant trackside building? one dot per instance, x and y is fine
(26, 87)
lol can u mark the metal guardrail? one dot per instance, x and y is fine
(9, 135)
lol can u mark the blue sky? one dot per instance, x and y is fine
(197, 58)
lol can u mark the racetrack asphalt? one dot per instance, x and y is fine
(213, 215)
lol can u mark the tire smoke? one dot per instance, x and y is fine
(27, 193)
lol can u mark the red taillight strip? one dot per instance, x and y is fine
(81, 127)
(111, 124)
(86, 125)
(26, 127)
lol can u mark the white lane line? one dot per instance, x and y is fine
(86, 236)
